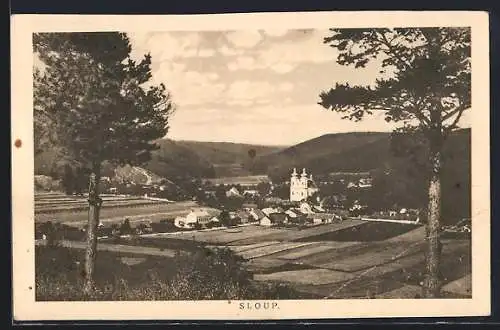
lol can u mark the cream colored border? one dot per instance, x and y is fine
(25, 308)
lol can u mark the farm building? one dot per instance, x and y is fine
(321, 217)
(200, 216)
(257, 214)
(249, 206)
(265, 221)
(233, 192)
(244, 216)
(278, 218)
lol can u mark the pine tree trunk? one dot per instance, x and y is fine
(432, 281)
(93, 222)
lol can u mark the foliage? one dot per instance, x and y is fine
(92, 98)
(424, 71)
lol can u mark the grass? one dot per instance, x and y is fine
(203, 275)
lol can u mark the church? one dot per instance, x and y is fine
(301, 187)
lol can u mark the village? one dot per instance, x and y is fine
(296, 203)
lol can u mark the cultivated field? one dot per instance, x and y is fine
(242, 180)
(328, 261)
(353, 258)
(73, 210)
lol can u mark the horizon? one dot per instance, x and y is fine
(284, 145)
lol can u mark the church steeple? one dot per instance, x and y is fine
(294, 173)
(304, 174)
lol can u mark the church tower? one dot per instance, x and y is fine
(298, 186)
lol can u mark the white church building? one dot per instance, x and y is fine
(301, 187)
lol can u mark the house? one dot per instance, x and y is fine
(318, 208)
(180, 222)
(269, 210)
(278, 218)
(351, 185)
(244, 216)
(318, 218)
(265, 221)
(291, 213)
(233, 192)
(295, 216)
(197, 216)
(250, 192)
(365, 183)
(306, 208)
(249, 206)
(257, 214)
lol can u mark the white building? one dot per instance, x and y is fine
(301, 187)
(199, 216)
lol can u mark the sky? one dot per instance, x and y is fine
(251, 86)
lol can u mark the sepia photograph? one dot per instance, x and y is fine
(254, 166)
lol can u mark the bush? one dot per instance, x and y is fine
(206, 274)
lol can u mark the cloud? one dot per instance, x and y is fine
(243, 63)
(206, 52)
(244, 38)
(276, 32)
(249, 90)
(283, 57)
(282, 68)
(285, 87)
(227, 51)
(166, 46)
(189, 87)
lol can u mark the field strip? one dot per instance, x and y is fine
(261, 264)
(462, 286)
(242, 248)
(181, 208)
(406, 291)
(84, 206)
(408, 262)
(272, 249)
(305, 251)
(69, 200)
(117, 248)
(132, 218)
(306, 276)
(357, 262)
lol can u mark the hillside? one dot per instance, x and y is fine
(228, 159)
(372, 152)
(318, 153)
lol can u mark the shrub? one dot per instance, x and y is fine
(206, 274)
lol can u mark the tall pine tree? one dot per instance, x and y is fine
(90, 100)
(428, 91)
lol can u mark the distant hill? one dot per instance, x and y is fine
(176, 160)
(228, 159)
(372, 152)
(345, 152)
(318, 154)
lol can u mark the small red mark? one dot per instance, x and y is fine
(18, 143)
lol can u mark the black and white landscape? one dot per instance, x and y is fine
(253, 164)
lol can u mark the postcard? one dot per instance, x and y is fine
(264, 166)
